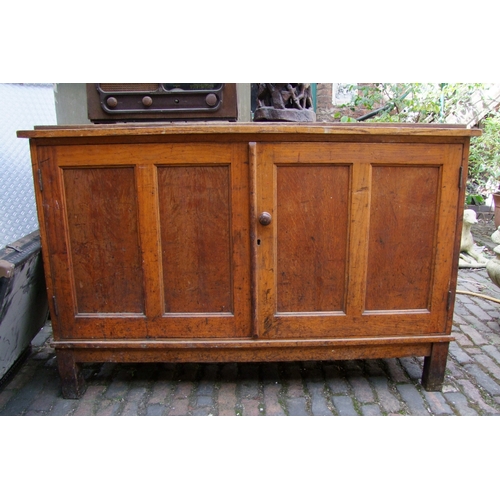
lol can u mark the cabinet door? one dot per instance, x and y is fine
(361, 238)
(148, 240)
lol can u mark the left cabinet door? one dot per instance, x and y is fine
(147, 240)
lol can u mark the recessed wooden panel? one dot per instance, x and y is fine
(403, 223)
(104, 243)
(195, 238)
(312, 209)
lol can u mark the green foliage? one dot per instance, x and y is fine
(484, 158)
(474, 199)
(416, 102)
(437, 103)
(348, 119)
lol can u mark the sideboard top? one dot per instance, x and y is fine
(198, 128)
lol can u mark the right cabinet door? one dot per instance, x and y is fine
(360, 241)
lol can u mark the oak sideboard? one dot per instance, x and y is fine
(246, 242)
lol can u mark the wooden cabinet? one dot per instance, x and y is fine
(249, 242)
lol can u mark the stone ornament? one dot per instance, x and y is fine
(470, 253)
(284, 102)
(493, 265)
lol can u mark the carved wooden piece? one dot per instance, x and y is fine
(213, 243)
(284, 102)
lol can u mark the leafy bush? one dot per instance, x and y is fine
(436, 103)
(416, 102)
(484, 158)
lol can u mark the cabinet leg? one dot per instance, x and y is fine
(72, 381)
(434, 367)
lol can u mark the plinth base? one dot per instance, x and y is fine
(284, 115)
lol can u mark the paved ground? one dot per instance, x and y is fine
(373, 387)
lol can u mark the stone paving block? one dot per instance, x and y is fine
(183, 389)
(5, 396)
(25, 395)
(161, 392)
(458, 320)
(318, 398)
(395, 370)
(480, 325)
(45, 400)
(462, 339)
(251, 407)
(117, 389)
(459, 401)
(412, 368)
(319, 407)
(297, 407)
(362, 390)
(249, 386)
(459, 354)
(180, 407)
(483, 379)
(493, 326)
(226, 399)
(22, 377)
(454, 368)
(63, 407)
(134, 399)
(205, 387)
(272, 398)
(474, 335)
(437, 403)
(156, 410)
(202, 411)
(493, 352)
(42, 336)
(295, 387)
(371, 410)
(413, 399)
(344, 406)
(335, 380)
(460, 309)
(387, 400)
(86, 404)
(204, 401)
(474, 395)
(473, 351)
(486, 362)
(108, 407)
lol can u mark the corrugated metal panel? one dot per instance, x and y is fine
(22, 106)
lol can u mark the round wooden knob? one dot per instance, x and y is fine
(265, 218)
(147, 101)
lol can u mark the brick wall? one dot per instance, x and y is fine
(326, 110)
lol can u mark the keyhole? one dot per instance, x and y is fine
(258, 242)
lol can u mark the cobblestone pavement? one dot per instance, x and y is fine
(369, 387)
